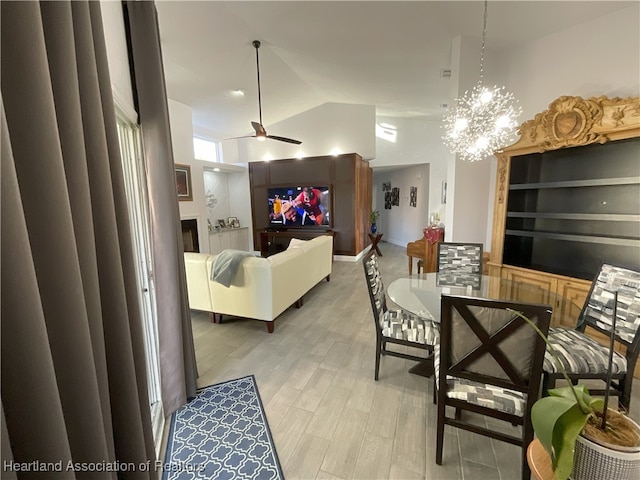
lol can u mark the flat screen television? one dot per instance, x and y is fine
(300, 206)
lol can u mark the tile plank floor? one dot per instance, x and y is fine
(328, 417)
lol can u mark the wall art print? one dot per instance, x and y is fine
(387, 200)
(413, 196)
(395, 196)
(183, 182)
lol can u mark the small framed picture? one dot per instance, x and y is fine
(221, 223)
(183, 183)
(233, 222)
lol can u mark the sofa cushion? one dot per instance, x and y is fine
(297, 243)
(284, 257)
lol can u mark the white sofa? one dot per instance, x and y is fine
(263, 287)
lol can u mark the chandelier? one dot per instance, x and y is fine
(481, 121)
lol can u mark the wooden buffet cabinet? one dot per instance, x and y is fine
(568, 196)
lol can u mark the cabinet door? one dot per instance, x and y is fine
(538, 285)
(238, 240)
(577, 293)
(225, 241)
(214, 243)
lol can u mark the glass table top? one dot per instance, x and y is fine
(421, 293)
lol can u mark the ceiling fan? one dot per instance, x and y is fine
(261, 133)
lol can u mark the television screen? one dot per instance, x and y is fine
(303, 206)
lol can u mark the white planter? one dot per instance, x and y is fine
(593, 461)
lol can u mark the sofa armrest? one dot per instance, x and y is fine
(250, 294)
(198, 280)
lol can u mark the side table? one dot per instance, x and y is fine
(375, 239)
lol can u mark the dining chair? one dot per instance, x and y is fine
(395, 326)
(489, 361)
(457, 260)
(585, 358)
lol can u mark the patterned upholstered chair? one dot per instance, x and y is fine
(585, 358)
(489, 361)
(395, 326)
(457, 260)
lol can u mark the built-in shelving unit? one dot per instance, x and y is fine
(568, 209)
(568, 195)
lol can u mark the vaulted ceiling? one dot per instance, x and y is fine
(388, 54)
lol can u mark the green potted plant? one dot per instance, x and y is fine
(570, 420)
(373, 218)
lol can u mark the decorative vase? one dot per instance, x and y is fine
(596, 461)
(374, 228)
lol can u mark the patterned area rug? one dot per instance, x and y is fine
(222, 433)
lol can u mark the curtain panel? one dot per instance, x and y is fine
(74, 387)
(177, 354)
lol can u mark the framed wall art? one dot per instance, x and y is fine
(183, 183)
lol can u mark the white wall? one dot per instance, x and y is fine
(181, 123)
(403, 224)
(418, 142)
(239, 204)
(216, 193)
(601, 57)
(325, 130)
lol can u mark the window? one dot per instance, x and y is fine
(136, 188)
(205, 150)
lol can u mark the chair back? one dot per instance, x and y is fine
(483, 341)
(598, 309)
(376, 288)
(459, 258)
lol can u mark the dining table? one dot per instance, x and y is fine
(420, 294)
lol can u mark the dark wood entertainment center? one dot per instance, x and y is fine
(348, 177)
(274, 241)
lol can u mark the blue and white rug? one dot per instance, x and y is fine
(222, 434)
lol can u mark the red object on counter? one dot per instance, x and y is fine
(433, 234)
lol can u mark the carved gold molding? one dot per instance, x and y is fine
(574, 121)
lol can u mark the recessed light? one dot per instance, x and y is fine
(237, 93)
(216, 169)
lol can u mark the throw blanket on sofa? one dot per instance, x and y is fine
(226, 265)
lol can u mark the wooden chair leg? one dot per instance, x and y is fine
(270, 326)
(440, 429)
(377, 361)
(547, 384)
(435, 391)
(624, 400)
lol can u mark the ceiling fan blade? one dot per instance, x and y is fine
(236, 138)
(259, 129)
(284, 139)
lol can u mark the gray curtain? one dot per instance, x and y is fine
(74, 384)
(177, 354)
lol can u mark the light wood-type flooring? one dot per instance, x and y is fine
(328, 417)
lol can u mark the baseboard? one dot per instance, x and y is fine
(353, 259)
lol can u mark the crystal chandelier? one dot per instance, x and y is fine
(481, 121)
